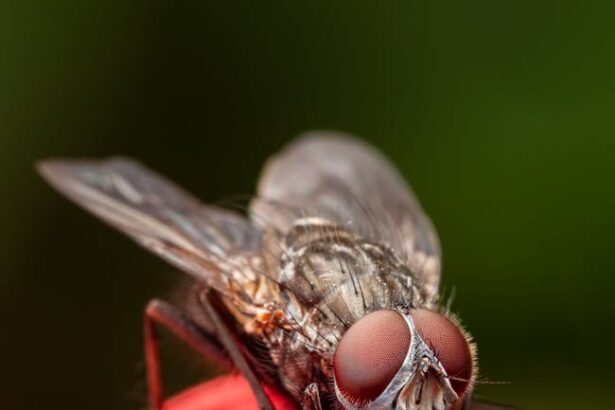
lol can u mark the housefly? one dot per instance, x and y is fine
(326, 288)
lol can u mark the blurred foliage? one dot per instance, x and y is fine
(499, 113)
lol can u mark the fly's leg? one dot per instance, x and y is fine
(228, 340)
(162, 313)
(311, 397)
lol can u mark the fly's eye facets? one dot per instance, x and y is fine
(448, 343)
(370, 354)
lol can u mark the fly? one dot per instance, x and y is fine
(327, 288)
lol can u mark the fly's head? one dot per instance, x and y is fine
(412, 360)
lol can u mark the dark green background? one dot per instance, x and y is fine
(500, 113)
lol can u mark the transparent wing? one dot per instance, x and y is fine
(157, 214)
(350, 183)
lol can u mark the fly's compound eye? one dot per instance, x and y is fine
(449, 344)
(369, 355)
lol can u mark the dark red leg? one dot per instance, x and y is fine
(171, 318)
(226, 338)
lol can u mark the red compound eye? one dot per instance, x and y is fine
(448, 343)
(370, 354)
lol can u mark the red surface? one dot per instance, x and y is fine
(222, 393)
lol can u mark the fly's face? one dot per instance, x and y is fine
(415, 359)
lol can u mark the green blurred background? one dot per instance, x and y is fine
(500, 114)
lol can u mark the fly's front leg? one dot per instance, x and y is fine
(311, 398)
(233, 349)
(162, 313)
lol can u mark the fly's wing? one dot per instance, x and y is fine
(157, 214)
(348, 182)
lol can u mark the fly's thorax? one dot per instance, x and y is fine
(330, 263)
(340, 276)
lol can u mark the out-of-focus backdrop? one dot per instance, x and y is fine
(500, 114)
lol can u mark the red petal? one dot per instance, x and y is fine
(222, 393)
